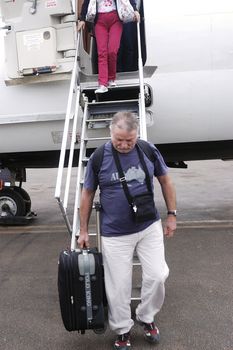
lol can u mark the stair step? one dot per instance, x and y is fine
(97, 138)
(122, 78)
(93, 120)
(109, 102)
(109, 108)
(136, 293)
(136, 261)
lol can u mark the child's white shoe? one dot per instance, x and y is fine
(112, 83)
(101, 89)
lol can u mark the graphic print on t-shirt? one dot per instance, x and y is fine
(107, 2)
(106, 5)
(133, 173)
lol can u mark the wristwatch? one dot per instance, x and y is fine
(172, 212)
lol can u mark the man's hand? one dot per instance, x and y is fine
(83, 240)
(169, 226)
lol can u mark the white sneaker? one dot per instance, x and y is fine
(112, 83)
(101, 89)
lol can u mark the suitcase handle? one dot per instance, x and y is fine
(87, 278)
(97, 207)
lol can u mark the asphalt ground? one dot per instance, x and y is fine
(198, 309)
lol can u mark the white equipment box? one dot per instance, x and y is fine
(36, 50)
(40, 38)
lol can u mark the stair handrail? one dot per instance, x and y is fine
(76, 221)
(142, 108)
(74, 91)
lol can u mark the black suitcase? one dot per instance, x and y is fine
(81, 290)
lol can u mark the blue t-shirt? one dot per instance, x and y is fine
(116, 214)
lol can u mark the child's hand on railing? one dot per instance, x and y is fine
(81, 25)
(137, 16)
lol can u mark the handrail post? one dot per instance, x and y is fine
(78, 181)
(143, 130)
(66, 126)
(71, 156)
(74, 92)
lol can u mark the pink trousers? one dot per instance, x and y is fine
(108, 30)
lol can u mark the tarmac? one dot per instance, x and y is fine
(198, 310)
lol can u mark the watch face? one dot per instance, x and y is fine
(172, 212)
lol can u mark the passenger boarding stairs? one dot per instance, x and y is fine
(91, 120)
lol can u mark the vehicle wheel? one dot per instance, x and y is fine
(26, 198)
(11, 203)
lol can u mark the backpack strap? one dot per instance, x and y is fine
(97, 159)
(146, 148)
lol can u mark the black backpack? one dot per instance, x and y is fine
(98, 155)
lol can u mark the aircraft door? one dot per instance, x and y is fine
(128, 52)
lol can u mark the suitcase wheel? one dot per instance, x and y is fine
(100, 330)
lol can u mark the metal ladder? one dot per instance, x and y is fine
(94, 124)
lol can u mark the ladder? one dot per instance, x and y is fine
(91, 117)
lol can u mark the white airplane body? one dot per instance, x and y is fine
(191, 111)
(192, 87)
(194, 81)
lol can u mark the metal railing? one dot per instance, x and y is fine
(80, 174)
(73, 98)
(142, 108)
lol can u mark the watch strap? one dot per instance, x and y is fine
(172, 212)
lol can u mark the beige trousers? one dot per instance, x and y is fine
(118, 259)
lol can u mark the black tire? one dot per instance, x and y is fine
(26, 198)
(12, 203)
